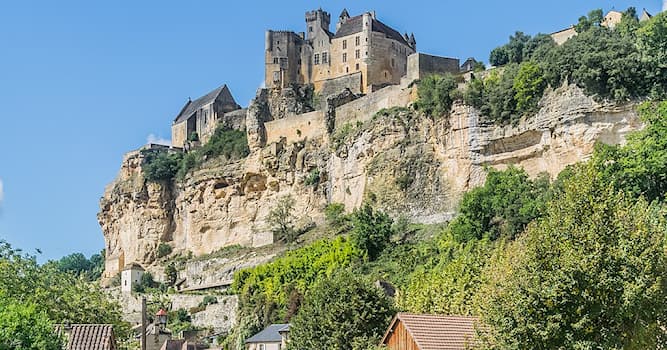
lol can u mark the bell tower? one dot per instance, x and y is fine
(315, 20)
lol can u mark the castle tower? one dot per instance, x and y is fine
(316, 19)
(344, 16)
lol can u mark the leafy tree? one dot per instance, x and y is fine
(449, 287)
(499, 57)
(528, 87)
(340, 311)
(371, 230)
(24, 327)
(503, 207)
(334, 215)
(163, 249)
(161, 166)
(435, 94)
(590, 275)
(76, 263)
(171, 274)
(640, 167)
(593, 20)
(62, 296)
(281, 218)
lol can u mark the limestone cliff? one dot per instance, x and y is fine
(403, 162)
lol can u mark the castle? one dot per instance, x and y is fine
(363, 52)
(363, 56)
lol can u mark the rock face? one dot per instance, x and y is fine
(402, 162)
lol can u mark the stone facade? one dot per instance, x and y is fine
(361, 44)
(203, 115)
(130, 276)
(421, 65)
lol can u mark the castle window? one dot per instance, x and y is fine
(347, 69)
(325, 57)
(344, 44)
(317, 58)
(357, 54)
(278, 42)
(357, 66)
(310, 29)
(275, 60)
(392, 62)
(344, 57)
(357, 41)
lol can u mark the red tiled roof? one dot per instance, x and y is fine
(432, 332)
(91, 337)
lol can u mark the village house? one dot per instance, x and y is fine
(273, 337)
(610, 20)
(89, 336)
(429, 332)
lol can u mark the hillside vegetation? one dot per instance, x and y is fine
(572, 262)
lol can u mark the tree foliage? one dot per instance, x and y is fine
(281, 218)
(590, 275)
(371, 230)
(61, 296)
(78, 264)
(341, 312)
(507, 202)
(25, 327)
(435, 94)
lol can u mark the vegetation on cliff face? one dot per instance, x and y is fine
(165, 166)
(620, 64)
(574, 261)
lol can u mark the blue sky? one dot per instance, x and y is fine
(82, 82)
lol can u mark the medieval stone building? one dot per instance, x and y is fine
(198, 119)
(363, 54)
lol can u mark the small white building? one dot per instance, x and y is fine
(130, 276)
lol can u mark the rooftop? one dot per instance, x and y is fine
(355, 25)
(90, 337)
(432, 332)
(270, 334)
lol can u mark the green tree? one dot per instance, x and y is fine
(25, 327)
(528, 87)
(371, 230)
(594, 19)
(62, 296)
(503, 207)
(171, 274)
(161, 166)
(76, 263)
(340, 311)
(590, 275)
(435, 94)
(281, 218)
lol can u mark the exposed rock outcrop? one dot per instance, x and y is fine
(408, 164)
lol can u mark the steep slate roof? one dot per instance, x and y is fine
(355, 25)
(192, 106)
(91, 337)
(432, 332)
(270, 334)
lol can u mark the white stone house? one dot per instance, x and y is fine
(130, 276)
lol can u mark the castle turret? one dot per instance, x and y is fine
(344, 16)
(317, 19)
(413, 42)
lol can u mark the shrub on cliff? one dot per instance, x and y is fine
(435, 94)
(371, 231)
(161, 166)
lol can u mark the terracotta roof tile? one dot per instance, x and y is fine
(432, 332)
(91, 337)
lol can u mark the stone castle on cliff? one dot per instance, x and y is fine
(362, 56)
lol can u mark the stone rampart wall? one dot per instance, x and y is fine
(296, 128)
(364, 108)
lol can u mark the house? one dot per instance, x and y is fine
(469, 65)
(199, 118)
(273, 337)
(89, 336)
(430, 332)
(180, 344)
(130, 276)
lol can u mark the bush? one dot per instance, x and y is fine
(371, 231)
(334, 214)
(355, 312)
(313, 178)
(435, 94)
(160, 165)
(163, 249)
(208, 300)
(170, 274)
(281, 218)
